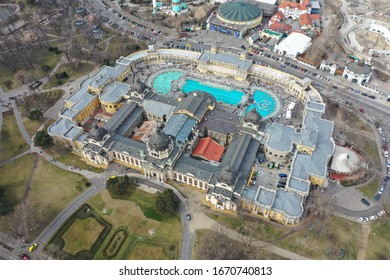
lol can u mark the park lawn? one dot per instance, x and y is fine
(370, 189)
(202, 234)
(43, 58)
(83, 241)
(83, 70)
(129, 214)
(30, 125)
(14, 178)
(42, 100)
(148, 251)
(66, 156)
(11, 140)
(324, 238)
(52, 189)
(367, 144)
(378, 247)
(262, 230)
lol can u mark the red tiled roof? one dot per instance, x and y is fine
(279, 15)
(280, 27)
(305, 19)
(315, 16)
(208, 149)
(292, 5)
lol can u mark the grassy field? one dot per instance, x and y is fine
(130, 215)
(323, 239)
(14, 179)
(11, 140)
(30, 125)
(83, 241)
(65, 156)
(147, 251)
(83, 69)
(370, 189)
(378, 243)
(43, 58)
(202, 234)
(52, 189)
(42, 100)
(262, 230)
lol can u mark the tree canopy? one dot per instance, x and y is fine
(167, 204)
(121, 186)
(35, 115)
(42, 139)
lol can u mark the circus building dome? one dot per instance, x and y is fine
(345, 161)
(240, 13)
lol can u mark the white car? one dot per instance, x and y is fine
(381, 213)
(380, 130)
(362, 219)
(373, 217)
(386, 153)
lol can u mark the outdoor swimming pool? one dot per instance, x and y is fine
(264, 104)
(162, 83)
(232, 97)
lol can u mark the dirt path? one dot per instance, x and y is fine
(24, 205)
(364, 235)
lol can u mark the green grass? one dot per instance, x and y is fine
(66, 156)
(83, 70)
(262, 230)
(323, 239)
(30, 125)
(378, 247)
(130, 215)
(52, 189)
(370, 189)
(43, 57)
(11, 140)
(14, 178)
(148, 251)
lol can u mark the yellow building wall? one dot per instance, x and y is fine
(87, 111)
(316, 180)
(111, 107)
(304, 149)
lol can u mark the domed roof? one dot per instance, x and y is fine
(184, 6)
(239, 11)
(159, 141)
(176, 9)
(253, 117)
(227, 175)
(176, 1)
(359, 68)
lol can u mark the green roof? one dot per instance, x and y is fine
(239, 11)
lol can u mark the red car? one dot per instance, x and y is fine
(24, 257)
(385, 147)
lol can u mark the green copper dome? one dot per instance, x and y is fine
(239, 11)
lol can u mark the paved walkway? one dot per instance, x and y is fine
(364, 236)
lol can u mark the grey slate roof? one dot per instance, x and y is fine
(202, 170)
(289, 203)
(220, 121)
(299, 185)
(196, 103)
(231, 59)
(157, 108)
(113, 92)
(281, 137)
(180, 127)
(359, 68)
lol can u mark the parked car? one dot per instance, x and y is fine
(386, 154)
(188, 217)
(380, 130)
(282, 175)
(377, 197)
(33, 247)
(24, 257)
(363, 219)
(373, 217)
(365, 201)
(381, 213)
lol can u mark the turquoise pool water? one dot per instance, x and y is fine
(224, 95)
(162, 83)
(264, 103)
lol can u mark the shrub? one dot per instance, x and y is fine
(46, 68)
(62, 75)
